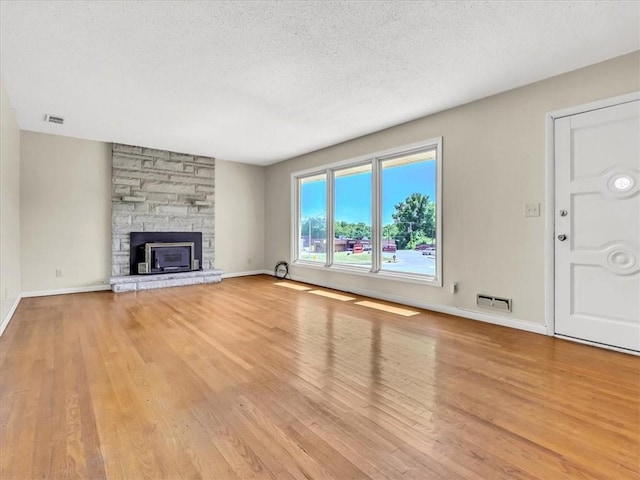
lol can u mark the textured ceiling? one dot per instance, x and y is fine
(260, 82)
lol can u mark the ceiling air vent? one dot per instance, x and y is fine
(57, 119)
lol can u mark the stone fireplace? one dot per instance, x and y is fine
(162, 218)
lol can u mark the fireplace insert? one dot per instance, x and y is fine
(168, 257)
(165, 252)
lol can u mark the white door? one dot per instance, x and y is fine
(597, 226)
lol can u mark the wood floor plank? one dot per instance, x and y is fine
(246, 379)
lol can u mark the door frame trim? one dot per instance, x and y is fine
(550, 197)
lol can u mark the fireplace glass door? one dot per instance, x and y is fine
(170, 257)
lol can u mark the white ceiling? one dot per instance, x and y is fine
(263, 81)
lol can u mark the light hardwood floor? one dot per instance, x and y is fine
(246, 379)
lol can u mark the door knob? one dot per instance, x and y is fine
(562, 238)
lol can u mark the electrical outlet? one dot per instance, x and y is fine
(454, 287)
(58, 273)
(532, 210)
(249, 260)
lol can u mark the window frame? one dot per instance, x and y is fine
(375, 160)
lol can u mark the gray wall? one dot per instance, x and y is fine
(493, 164)
(240, 227)
(65, 212)
(9, 209)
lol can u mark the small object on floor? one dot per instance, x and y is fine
(281, 270)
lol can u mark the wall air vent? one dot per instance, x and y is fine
(490, 301)
(57, 119)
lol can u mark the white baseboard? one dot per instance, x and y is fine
(459, 312)
(9, 316)
(244, 274)
(64, 291)
(502, 321)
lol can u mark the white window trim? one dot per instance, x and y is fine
(376, 228)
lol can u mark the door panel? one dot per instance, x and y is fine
(607, 286)
(615, 124)
(592, 230)
(597, 265)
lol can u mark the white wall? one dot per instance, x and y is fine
(65, 212)
(9, 210)
(239, 220)
(493, 163)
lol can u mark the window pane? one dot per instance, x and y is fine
(352, 211)
(312, 223)
(409, 213)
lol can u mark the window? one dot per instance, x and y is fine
(378, 214)
(352, 216)
(409, 213)
(312, 228)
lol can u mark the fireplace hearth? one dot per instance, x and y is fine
(165, 252)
